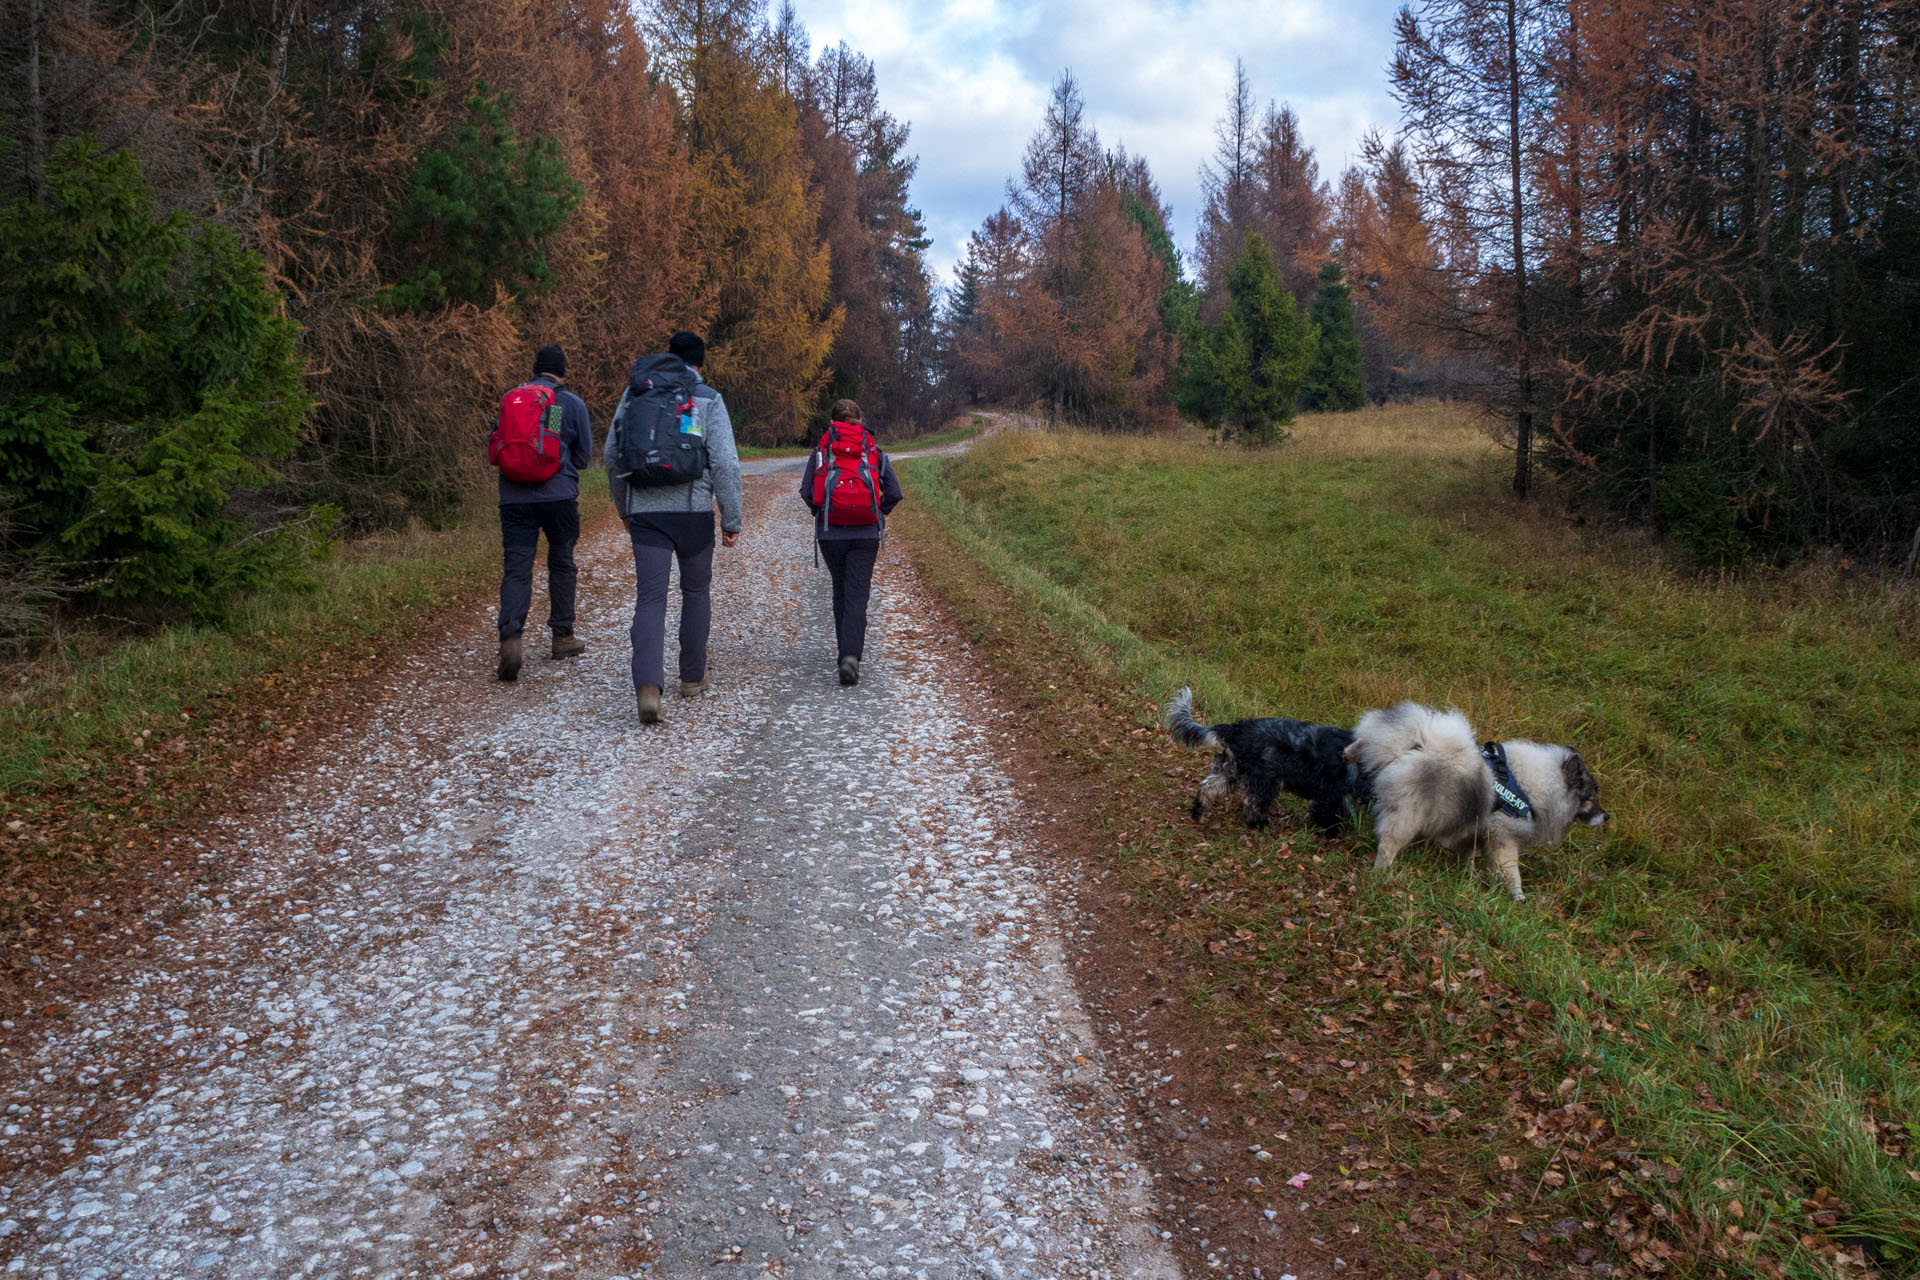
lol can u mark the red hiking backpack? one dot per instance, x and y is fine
(526, 444)
(846, 476)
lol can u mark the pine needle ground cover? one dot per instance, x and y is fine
(1693, 1048)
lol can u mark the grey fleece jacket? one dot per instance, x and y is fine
(721, 483)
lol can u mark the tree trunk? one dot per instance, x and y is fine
(36, 104)
(266, 148)
(1575, 85)
(1523, 419)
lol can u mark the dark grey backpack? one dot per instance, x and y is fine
(658, 440)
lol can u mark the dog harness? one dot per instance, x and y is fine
(1508, 795)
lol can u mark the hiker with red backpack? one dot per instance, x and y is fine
(850, 487)
(670, 458)
(540, 441)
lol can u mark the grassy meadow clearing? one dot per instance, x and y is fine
(1697, 1039)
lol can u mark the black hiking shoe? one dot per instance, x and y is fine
(510, 659)
(849, 671)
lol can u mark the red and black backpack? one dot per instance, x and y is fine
(846, 476)
(526, 442)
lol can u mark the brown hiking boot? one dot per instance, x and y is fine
(692, 688)
(568, 646)
(649, 701)
(510, 659)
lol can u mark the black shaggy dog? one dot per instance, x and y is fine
(1261, 758)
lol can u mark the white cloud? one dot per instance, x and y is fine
(972, 77)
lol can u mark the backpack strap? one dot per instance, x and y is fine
(822, 461)
(870, 460)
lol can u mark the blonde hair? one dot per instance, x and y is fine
(846, 411)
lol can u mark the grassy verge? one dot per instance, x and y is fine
(1693, 1048)
(749, 451)
(108, 739)
(962, 429)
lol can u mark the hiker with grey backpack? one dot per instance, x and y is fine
(670, 457)
(850, 487)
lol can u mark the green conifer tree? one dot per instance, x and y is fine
(1334, 382)
(147, 377)
(480, 212)
(1278, 347)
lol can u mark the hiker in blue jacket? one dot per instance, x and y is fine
(551, 507)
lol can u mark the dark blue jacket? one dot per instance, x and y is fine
(576, 451)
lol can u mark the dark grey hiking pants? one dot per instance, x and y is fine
(659, 539)
(521, 524)
(850, 562)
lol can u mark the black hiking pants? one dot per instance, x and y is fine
(850, 562)
(521, 524)
(659, 539)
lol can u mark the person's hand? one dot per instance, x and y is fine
(728, 539)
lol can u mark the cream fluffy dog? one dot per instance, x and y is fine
(1431, 780)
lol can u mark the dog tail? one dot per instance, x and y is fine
(1416, 751)
(1187, 731)
(1384, 736)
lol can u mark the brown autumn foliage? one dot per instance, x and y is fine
(304, 126)
(1379, 225)
(883, 353)
(1686, 240)
(1263, 179)
(1059, 299)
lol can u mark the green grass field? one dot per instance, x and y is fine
(1725, 977)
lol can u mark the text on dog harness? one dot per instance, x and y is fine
(1508, 795)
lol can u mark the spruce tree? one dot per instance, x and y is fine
(1278, 347)
(148, 378)
(1334, 381)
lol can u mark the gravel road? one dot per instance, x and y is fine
(501, 984)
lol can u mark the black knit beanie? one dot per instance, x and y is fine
(550, 360)
(690, 347)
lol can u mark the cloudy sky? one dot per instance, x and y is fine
(973, 77)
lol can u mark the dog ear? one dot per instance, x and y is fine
(1580, 781)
